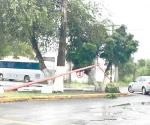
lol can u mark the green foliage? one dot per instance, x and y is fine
(84, 56)
(111, 88)
(16, 49)
(143, 67)
(25, 15)
(78, 85)
(20, 49)
(85, 34)
(21, 19)
(119, 47)
(130, 70)
(127, 71)
(127, 78)
(141, 63)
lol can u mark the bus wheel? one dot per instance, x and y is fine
(26, 79)
(1, 77)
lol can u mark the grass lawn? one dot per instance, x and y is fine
(35, 94)
(31, 94)
(38, 94)
(78, 85)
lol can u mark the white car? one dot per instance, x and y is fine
(141, 84)
(36, 88)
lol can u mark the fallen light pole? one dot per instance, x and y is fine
(12, 88)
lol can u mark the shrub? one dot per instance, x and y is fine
(111, 88)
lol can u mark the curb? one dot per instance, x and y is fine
(59, 97)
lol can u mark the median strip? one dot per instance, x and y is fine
(12, 97)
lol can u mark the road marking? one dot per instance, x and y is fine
(2, 120)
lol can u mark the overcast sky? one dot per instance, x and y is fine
(135, 15)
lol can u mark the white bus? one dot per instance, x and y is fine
(20, 70)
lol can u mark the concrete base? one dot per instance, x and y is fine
(59, 82)
(1, 90)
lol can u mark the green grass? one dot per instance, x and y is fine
(32, 94)
(23, 94)
(78, 85)
(120, 83)
(69, 85)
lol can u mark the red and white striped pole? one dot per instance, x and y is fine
(47, 78)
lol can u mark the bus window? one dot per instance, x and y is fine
(19, 70)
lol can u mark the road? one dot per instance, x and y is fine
(132, 110)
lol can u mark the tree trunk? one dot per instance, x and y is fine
(91, 76)
(116, 74)
(39, 57)
(59, 82)
(62, 38)
(37, 52)
(70, 68)
(92, 79)
(108, 68)
(108, 72)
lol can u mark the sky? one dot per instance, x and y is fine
(135, 14)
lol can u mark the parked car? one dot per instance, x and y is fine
(141, 84)
(36, 88)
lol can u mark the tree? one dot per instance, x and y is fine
(4, 35)
(85, 35)
(143, 67)
(28, 21)
(118, 47)
(16, 49)
(127, 71)
(130, 70)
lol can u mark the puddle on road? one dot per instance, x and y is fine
(125, 104)
(129, 104)
(124, 112)
(106, 119)
(145, 103)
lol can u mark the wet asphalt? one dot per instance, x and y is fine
(130, 110)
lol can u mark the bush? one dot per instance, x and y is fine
(111, 88)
